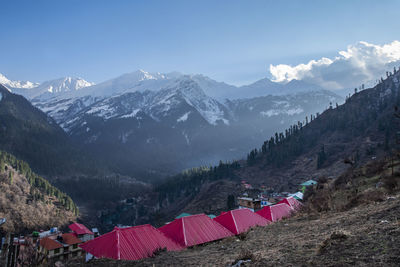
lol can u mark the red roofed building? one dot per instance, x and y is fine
(194, 230)
(292, 202)
(51, 248)
(81, 232)
(240, 220)
(276, 212)
(60, 247)
(132, 243)
(73, 245)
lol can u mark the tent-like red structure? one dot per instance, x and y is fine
(132, 243)
(194, 230)
(276, 212)
(292, 202)
(240, 220)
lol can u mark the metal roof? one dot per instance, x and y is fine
(298, 195)
(292, 202)
(276, 212)
(131, 243)
(194, 230)
(70, 239)
(80, 229)
(50, 244)
(309, 182)
(184, 214)
(240, 220)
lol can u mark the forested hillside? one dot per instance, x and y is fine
(31, 135)
(323, 145)
(29, 201)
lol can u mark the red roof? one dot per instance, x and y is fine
(80, 229)
(194, 230)
(240, 220)
(70, 239)
(292, 202)
(276, 212)
(50, 244)
(131, 243)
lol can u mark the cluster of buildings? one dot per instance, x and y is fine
(266, 198)
(46, 247)
(138, 242)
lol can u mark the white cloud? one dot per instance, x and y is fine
(360, 63)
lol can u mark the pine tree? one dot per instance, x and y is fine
(231, 202)
(321, 157)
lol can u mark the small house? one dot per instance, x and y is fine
(95, 232)
(304, 185)
(51, 249)
(249, 203)
(81, 232)
(60, 247)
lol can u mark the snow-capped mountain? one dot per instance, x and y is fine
(56, 87)
(173, 121)
(47, 89)
(136, 81)
(16, 84)
(160, 105)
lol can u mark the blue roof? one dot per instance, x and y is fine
(184, 214)
(309, 182)
(212, 216)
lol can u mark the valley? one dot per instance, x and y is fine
(199, 133)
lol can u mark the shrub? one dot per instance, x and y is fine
(390, 183)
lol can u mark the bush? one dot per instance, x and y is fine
(390, 183)
(335, 238)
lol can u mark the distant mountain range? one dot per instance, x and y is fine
(153, 124)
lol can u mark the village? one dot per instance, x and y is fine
(78, 243)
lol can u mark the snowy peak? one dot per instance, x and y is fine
(16, 84)
(130, 82)
(46, 89)
(138, 76)
(66, 84)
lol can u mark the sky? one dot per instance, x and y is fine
(233, 41)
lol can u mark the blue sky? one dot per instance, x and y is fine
(232, 41)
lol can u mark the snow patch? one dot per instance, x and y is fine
(275, 112)
(186, 138)
(184, 117)
(132, 114)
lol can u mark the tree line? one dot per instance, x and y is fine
(40, 187)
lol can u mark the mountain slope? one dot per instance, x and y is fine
(362, 129)
(31, 135)
(157, 124)
(28, 201)
(178, 126)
